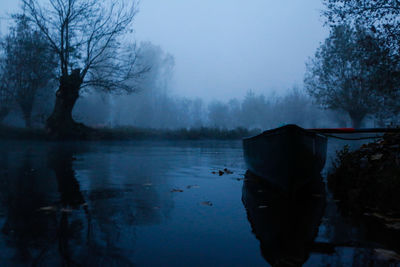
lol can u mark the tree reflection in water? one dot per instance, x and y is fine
(47, 219)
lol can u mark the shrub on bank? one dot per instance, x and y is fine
(368, 180)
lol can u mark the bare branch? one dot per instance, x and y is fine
(86, 35)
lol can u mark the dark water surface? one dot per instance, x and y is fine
(164, 204)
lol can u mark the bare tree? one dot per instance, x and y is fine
(87, 37)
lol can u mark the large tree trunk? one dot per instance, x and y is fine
(28, 120)
(3, 113)
(357, 118)
(60, 124)
(26, 104)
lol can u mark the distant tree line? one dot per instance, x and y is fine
(356, 69)
(159, 109)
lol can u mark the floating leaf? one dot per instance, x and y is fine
(228, 171)
(394, 226)
(49, 208)
(386, 254)
(382, 217)
(66, 210)
(206, 203)
(176, 190)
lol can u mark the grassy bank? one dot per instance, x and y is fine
(132, 133)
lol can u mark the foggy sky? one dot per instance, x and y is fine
(223, 48)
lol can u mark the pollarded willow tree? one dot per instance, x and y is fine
(347, 71)
(382, 17)
(87, 37)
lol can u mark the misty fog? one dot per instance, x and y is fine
(208, 77)
(154, 105)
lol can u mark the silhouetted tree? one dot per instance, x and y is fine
(6, 95)
(29, 64)
(255, 111)
(86, 36)
(346, 70)
(382, 18)
(218, 114)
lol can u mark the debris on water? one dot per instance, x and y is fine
(387, 255)
(66, 210)
(48, 208)
(192, 186)
(388, 222)
(381, 217)
(227, 171)
(176, 190)
(206, 203)
(222, 172)
(393, 226)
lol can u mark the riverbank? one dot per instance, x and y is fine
(366, 182)
(133, 133)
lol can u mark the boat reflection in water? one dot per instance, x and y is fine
(286, 226)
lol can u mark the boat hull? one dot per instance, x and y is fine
(287, 157)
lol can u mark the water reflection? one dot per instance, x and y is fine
(285, 226)
(112, 204)
(47, 219)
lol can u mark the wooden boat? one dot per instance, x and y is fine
(287, 157)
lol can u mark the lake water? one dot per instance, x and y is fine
(163, 203)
